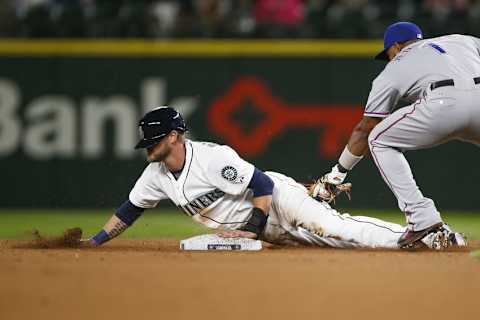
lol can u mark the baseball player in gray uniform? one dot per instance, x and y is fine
(216, 187)
(440, 78)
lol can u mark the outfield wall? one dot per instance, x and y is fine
(69, 110)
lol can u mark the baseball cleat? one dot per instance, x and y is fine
(409, 237)
(444, 238)
(437, 240)
(456, 239)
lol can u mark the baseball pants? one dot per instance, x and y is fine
(442, 115)
(295, 217)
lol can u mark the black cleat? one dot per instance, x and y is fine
(409, 237)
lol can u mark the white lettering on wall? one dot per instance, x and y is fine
(54, 126)
(9, 123)
(51, 130)
(186, 106)
(96, 113)
(153, 93)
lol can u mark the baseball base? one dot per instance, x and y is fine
(214, 242)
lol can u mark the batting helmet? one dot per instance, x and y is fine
(157, 123)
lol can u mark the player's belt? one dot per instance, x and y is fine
(442, 83)
(448, 83)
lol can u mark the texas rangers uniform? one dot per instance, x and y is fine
(212, 189)
(440, 77)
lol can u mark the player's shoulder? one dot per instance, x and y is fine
(211, 149)
(449, 37)
(388, 76)
(406, 55)
(154, 169)
(399, 65)
(456, 41)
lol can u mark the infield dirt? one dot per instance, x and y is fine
(129, 279)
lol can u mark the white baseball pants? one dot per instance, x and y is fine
(295, 217)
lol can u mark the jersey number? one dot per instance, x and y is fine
(437, 47)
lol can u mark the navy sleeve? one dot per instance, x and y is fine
(128, 212)
(261, 184)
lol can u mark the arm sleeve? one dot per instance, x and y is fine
(146, 193)
(261, 184)
(383, 96)
(128, 212)
(228, 172)
(124, 217)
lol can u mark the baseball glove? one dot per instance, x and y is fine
(323, 191)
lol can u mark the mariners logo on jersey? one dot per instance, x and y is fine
(231, 174)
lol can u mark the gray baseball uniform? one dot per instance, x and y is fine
(439, 76)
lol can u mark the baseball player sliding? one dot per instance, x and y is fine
(216, 187)
(440, 77)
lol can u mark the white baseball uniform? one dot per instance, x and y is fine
(213, 190)
(436, 116)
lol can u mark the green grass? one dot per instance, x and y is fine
(16, 224)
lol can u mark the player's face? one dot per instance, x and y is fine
(392, 51)
(161, 150)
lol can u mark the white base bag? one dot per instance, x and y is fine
(214, 242)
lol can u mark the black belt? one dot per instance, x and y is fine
(448, 83)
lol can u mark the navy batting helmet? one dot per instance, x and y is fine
(157, 123)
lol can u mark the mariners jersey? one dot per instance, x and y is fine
(417, 65)
(212, 187)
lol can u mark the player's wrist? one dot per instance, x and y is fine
(257, 222)
(347, 160)
(100, 238)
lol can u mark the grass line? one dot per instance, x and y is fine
(16, 224)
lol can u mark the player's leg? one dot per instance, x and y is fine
(362, 231)
(421, 125)
(472, 131)
(297, 218)
(294, 209)
(279, 233)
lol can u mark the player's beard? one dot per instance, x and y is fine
(158, 154)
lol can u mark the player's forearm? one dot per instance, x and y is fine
(112, 229)
(263, 203)
(358, 142)
(262, 187)
(125, 216)
(357, 145)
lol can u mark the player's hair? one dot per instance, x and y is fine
(180, 135)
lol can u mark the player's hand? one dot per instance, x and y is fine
(237, 234)
(87, 243)
(334, 177)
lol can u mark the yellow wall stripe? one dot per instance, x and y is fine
(190, 48)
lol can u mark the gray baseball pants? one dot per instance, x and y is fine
(443, 114)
